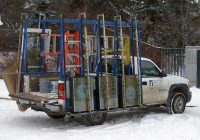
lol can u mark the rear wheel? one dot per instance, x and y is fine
(177, 104)
(97, 118)
(55, 115)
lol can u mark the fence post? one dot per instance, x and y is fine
(198, 69)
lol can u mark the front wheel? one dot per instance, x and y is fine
(97, 118)
(177, 104)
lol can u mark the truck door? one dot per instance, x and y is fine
(154, 87)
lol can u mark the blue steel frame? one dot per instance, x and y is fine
(98, 47)
(81, 59)
(80, 22)
(116, 46)
(87, 22)
(42, 46)
(24, 47)
(92, 58)
(61, 47)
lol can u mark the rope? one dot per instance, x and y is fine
(140, 40)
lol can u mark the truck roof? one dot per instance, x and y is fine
(120, 57)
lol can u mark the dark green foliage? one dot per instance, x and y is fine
(165, 23)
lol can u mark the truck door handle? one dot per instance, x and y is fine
(144, 83)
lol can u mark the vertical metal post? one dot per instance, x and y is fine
(106, 61)
(61, 47)
(131, 47)
(87, 62)
(181, 62)
(198, 69)
(81, 59)
(20, 53)
(122, 57)
(174, 62)
(39, 27)
(42, 47)
(92, 44)
(24, 47)
(137, 33)
(116, 70)
(63, 75)
(98, 47)
(167, 58)
(161, 58)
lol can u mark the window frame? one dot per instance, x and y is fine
(155, 67)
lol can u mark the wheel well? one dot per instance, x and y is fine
(181, 88)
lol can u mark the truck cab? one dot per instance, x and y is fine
(161, 88)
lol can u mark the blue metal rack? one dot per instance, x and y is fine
(96, 26)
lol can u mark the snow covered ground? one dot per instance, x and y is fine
(153, 124)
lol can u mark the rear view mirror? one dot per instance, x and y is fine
(162, 74)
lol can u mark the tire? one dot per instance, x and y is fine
(94, 118)
(55, 115)
(177, 104)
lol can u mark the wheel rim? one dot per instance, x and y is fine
(179, 104)
(96, 116)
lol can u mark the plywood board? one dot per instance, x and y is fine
(79, 89)
(113, 92)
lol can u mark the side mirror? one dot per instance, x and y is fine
(162, 74)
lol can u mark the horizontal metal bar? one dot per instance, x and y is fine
(77, 21)
(172, 48)
(46, 20)
(107, 23)
(41, 73)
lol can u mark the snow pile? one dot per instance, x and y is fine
(154, 124)
(3, 90)
(195, 97)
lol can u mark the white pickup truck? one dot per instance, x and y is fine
(164, 89)
(65, 72)
(158, 89)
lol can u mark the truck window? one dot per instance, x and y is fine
(110, 65)
(41, 52)
(149, 69)
(33, 52)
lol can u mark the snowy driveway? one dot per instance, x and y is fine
(146, 125)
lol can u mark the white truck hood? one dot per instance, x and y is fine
(177, 79)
